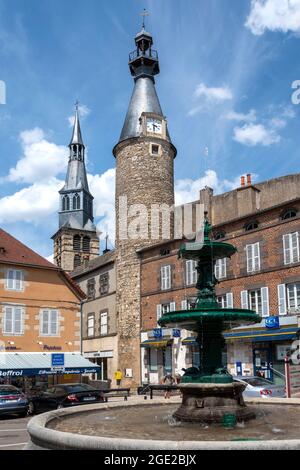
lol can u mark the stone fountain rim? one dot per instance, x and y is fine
(46, 438)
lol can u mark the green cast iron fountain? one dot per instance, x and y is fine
(209, 392)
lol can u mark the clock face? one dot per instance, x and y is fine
(154, 125)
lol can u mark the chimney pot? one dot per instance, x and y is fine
(242, 181)
(249, 179)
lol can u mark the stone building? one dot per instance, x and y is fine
(76, 242)
(263, 221)
(144, 176)
(99, 321)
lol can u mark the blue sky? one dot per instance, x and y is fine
(225, 86)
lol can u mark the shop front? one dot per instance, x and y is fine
(37, 371)
(261, 349)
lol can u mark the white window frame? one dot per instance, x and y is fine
(221, 268)
(165, 277)
(256, 298)
(253, 257)
(282, 301)
(15, 281)
(263, 292)
(291, 247)
(103, 323)
(48, 313)
(296, 308)
(91, 325)
(13, 310)
(191, 272)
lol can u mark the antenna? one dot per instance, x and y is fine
(144, 14)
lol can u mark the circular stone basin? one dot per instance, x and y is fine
(149, 425)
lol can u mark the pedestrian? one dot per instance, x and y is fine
(169, 381)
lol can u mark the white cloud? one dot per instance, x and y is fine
(187, 190)
(241, 117)
(255, 134)
(210, 95)
(41, 159)
(274, 15)
(84, 111)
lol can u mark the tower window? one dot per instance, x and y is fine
(76, 202)
(76, 243)
(251, 226)
(86, 243)
(154, 149)
(77, 261)
(66, 203)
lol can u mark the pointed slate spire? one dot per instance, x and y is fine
(76, 136)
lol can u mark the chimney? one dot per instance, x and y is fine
(249, 179)
(242, 181)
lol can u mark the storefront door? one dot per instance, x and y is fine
(262, 360)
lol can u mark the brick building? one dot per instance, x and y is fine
(263, 222)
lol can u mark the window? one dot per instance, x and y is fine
(289, 214)
(220, 268)
(104, 283)
(164, 308)
(253, 257)
(251, 226)
(219, 235)
(14, 280)
(91, 325)
(189, 304)
(257, 300)
(225, 300)
(293, 297)
(76, 202)
(49, 323)
(291, 248)
(164, 252)
(77, 261)
(91, 289)
(165, 277)
(191, 272)
(103, 323)
(154, 149)
(13, 320)
(65, 203)
(86, 242)
(76, 243)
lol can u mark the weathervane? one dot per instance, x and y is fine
(144, 14)
(76, 105)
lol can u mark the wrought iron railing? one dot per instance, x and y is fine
(150, 54)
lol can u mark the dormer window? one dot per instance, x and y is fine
(219, 235)
(251, 226)
(289, 214)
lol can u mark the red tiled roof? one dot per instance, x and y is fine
(13, 251)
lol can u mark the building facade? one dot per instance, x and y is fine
(263, 222)
(39, 315)
(99, 321)
(76, 242)
(144, 177)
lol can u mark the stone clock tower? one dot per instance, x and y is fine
(144, 176)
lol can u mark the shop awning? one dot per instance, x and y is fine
(31, 364)
(190, 341)
(279, 334)
(156, 343)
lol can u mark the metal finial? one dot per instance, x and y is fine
(76, 105)
(144, 14)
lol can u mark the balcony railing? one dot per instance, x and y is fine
(149, 54)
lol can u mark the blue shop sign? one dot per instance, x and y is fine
(272, 322)
(176, 333)
(57, 360)
(157, 333)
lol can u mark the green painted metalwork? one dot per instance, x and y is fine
(207, 319)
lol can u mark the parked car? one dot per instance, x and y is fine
(260, 387)
(13, 401)
(64, 395)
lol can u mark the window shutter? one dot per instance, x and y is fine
(45, 322)
(256, 257)
(162, 278)
(229, 300)
(18, 280)
(184, 304)
(172, 307)
(8, 320)
(295, 247)
(17, 320)
(286, 248)
(10, 279)
(53, 322)
(265, 301)
(187, 272)
(168, 268)
(281, 299)
(249, 258)
(158, 312)
(244, 299)
(217, 269)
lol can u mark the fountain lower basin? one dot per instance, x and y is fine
(150, 425)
